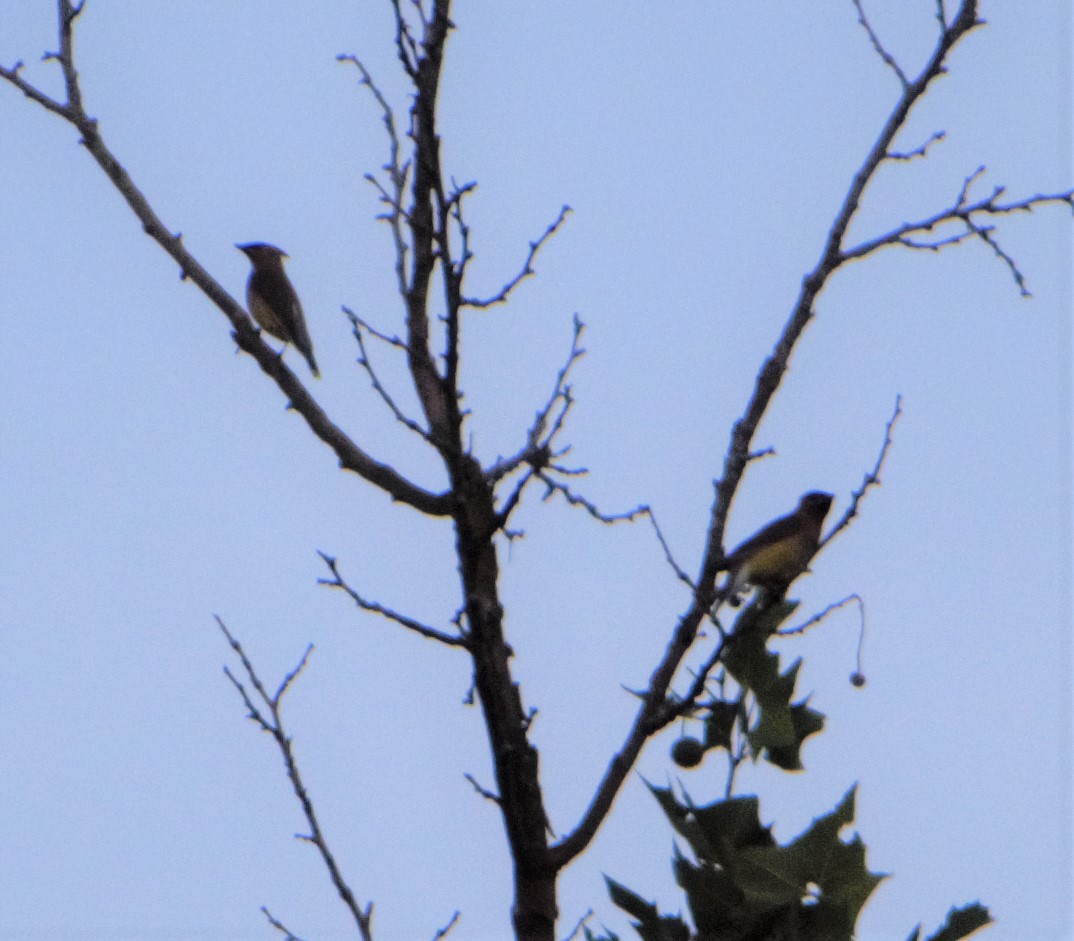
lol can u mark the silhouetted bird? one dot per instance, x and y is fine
(777, 554)
(272, 300)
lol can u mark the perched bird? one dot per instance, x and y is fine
(272, 301)
(775, 556)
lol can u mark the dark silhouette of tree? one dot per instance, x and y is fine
(740, 884)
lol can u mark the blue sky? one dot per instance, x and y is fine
(150, 478)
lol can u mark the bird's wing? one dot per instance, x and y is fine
(775, 531)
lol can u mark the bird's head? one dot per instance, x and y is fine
(816, 503)
(262, 252)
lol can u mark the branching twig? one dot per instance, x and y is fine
(541, 433)
(337, 581)
(871, 479)
(367, 365)
(886, 57)
(268, 717)
(501, 296)
(574, 499)
(819, 616)
(397, 171)
(921, 151)
(963, 211)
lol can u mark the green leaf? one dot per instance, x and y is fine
(711, 894)
(719, 723)
(728, 825)
(650, 924)
(962, 922)
(630, 902)
(607, 936)
(804, 722)
(683, 821)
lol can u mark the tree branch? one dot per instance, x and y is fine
(432, 633)
(364, 361)
(963, 211)
(245, 334)
(269, 719)
(501, 296)
(871, 479)
(646, 721)
(540, 435)
(885, 56)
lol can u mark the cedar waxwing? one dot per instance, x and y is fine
(273, 302)
(775, 556)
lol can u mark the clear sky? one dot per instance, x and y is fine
(150, 478)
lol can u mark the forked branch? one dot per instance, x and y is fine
(246, 335)
(264, 709)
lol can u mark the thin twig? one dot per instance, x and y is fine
(887, 58)
(921, 151)
(270, 720)
(365, 362)
(397, 171)
(574, 499)
(337, 581)
(579, 925)
(279, 926)
(680, 573)
(501, 296)
(683, 706)
(819, 616)
(442, 932)
(963, 211)
(488, 795)
(540, 433)
(871, 479)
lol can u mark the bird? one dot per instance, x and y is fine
(272, 300)
(776, 555)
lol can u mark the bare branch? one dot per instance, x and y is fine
(574, 499)
(579, 925)
(540, 435)
(680, 573)
(921, 151)
(389, 339)
(819, 616)
(738, 451)
(397, 171)
(279, 926)
(245, 334)
(871, 479)
(378, 386)
(488, 795)
(677, 707)
(984, 233)
(885, 56)
(442, 932)
(271, 721)
(526, 271)
(337, 581)
(33, 93)
(962, 212)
